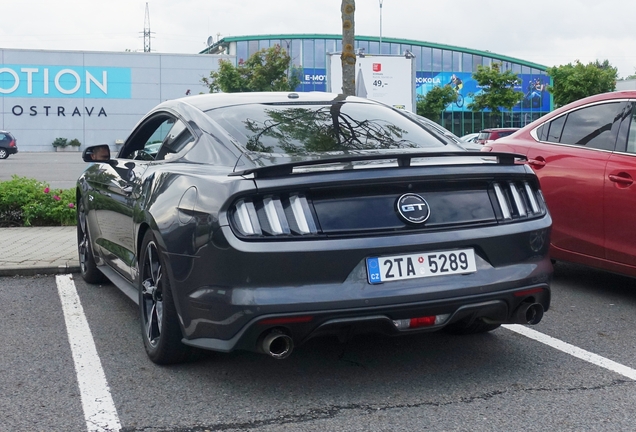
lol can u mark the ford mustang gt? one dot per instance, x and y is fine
(258, 221)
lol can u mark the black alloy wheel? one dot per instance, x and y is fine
(88, 268)
(159, 321)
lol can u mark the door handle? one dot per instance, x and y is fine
(537, 163)
(623, 181)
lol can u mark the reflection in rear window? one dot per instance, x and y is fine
(311, 128)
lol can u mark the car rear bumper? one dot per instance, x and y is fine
(497, 307)
(223, 304)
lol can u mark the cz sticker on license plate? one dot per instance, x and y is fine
(399, 267)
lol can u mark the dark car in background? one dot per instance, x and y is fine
(488, 135)
(263, 220)
(8, 144)
(585, 156)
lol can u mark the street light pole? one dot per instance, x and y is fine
(381, 26)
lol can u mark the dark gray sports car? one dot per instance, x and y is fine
(258, 221)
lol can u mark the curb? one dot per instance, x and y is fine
(32, 270)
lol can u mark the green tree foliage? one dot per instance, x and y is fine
(435, 101)
(498, 89)
(576, 81)
(266, 70)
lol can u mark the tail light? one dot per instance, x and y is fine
(274, 216)
(518, 200)
(12, 143)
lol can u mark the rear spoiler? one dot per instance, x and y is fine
(403, 160)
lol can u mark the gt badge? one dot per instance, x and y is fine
(413, 208)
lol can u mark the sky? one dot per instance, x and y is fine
(547, 32)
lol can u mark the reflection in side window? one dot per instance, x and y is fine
(631, 139)
(555, 129)
(178, 137)
(592, 126)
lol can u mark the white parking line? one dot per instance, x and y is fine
(574, 351)
(99, 410)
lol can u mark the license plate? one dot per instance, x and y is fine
(400, 267)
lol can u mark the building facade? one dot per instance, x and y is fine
(94, 97)
(436, 65)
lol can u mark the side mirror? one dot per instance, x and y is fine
(98, 153)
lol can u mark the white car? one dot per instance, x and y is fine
(471, 137)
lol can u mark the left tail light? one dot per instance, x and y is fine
(12, 143)
(272, 215)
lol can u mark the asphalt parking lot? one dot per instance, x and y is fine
(576, 371)
(72, 359)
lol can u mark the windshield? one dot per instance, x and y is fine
(324, 127)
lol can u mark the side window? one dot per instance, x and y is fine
(555, 128)
(593, 126)
(176, 139)
(146, 140)
(631, 137)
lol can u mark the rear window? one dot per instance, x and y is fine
(503, 134)
(317, 128)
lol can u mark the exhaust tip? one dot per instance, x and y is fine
(528, 313)
(534, 314)
(277, 345)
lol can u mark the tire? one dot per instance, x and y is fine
(470, 327)
(88, 268)
(160, 327)
(3, 153)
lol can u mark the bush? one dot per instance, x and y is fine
(60, 142)
(29, 202)
(74, 142)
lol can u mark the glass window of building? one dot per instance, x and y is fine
(447, 61)
(437, 60)
(252, 47)
(296, 52)
(241, 51)
(320, 53)
(363, 46)
(264, 44)
(457, 61)
(330, 46)
(386, 48)
(374, 47)
(467, 62)
(308, 53)
(427, 59)
(476, 62)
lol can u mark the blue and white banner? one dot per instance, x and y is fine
(91, 82)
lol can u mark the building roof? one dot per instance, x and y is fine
(217, 46)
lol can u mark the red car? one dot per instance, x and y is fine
(488, 135)
(584, 154)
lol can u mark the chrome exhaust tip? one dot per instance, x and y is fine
(277, 345)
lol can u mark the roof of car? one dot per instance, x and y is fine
(215, 100)
(500, 129)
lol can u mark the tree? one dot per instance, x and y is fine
(266, 70)
(348, 56)
(435, 101)
(498, 89)
(575, 81)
